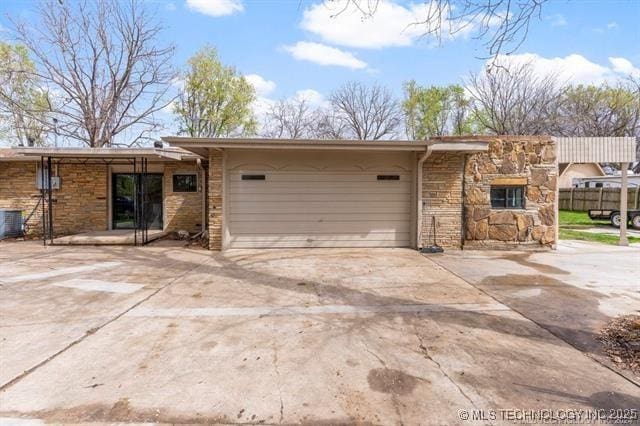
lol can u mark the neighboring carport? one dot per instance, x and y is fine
(620, 150)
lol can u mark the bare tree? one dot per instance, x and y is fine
(512, 99)
(290, 118)
(368, 112)
(502, 25)
(328, 125)
(101, 63)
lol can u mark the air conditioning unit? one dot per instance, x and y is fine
(10, 223)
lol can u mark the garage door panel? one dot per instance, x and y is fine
(314, 197)
(293, 241)
(263, 187)
(240, 207)
(313, 217)
(339, 202)
(336, 227)
(318, 176)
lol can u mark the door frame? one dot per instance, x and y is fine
(112, 188)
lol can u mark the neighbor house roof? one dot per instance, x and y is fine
(201, 146)
(162, 154)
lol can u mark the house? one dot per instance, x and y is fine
(570, 171)
(269, 193)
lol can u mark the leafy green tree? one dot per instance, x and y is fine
(436, 111)
(216, 100)
(24, 106)
(606, 110)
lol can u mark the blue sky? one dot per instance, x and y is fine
(287, 46)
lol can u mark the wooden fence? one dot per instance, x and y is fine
(583, 199)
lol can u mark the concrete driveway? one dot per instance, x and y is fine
(167, 334)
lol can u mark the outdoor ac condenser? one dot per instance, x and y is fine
(10, 223)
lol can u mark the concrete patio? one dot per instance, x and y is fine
(111, 237)
(330, 336)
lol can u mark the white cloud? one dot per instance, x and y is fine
(216, 7)
(624, 66)
(612, 25)
(262, 86)
(313, 97)
(558, 20)
(574, 68)
(391, 25)
(324, 55)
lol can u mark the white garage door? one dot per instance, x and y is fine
(318, 199)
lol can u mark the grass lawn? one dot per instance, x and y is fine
(571, 222)
(578, 220)
(570, 234)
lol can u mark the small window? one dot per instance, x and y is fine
(185, 183)
(253, 177)
(507, 197)
(598, 184)
(388, 177)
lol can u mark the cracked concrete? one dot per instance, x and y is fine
(278, 336)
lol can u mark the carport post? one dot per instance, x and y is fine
(623, 205)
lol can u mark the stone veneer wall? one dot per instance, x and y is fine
(526, 160)
(182, 210)
(215, 200)
(79, 205)
(442, 176)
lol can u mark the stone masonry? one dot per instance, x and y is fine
(442, 199)
(215, 193)
(182, 210)
(512, 160)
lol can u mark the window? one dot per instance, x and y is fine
(598, 184)
(507, 197)
(185, 183)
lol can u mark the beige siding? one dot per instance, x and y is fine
(318, 199)
(596, 149)
(577, 170)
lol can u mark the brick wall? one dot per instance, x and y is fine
(215, 194)
(79, 205)
(18, 191)
(528, 161)
(183, 210)
(442, 175)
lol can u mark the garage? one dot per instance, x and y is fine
(296, 198)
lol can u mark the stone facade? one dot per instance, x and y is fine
(215, 200)
(442, 177)
(523, 161)
(182, 210)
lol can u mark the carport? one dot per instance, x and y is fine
(620, 150)
(135, 161)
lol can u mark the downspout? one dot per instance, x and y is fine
(203, 190)
(421, 161)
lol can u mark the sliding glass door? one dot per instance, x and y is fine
(125, 196)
